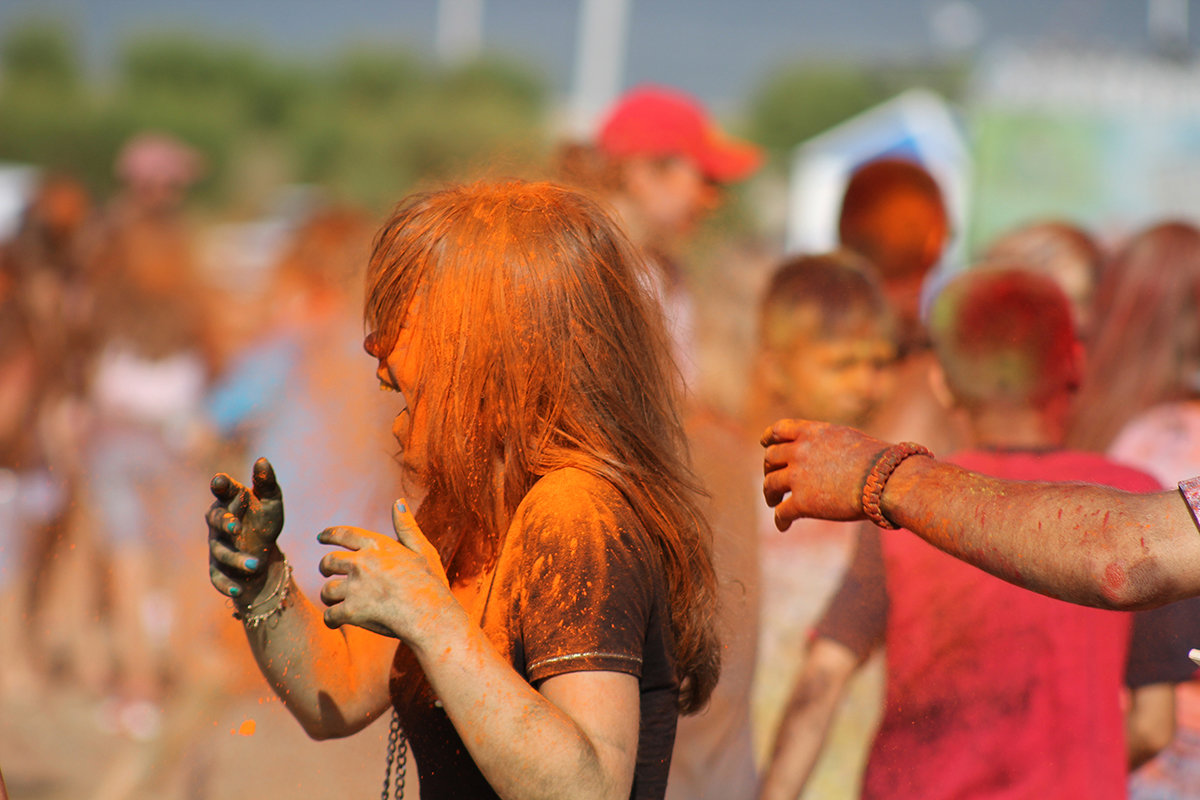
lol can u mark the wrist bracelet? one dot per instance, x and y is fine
(258, 613)
(878, 477)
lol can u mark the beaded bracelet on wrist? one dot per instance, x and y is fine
(884, 466)
(258, 613)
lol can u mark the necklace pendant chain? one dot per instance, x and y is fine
(397, 759)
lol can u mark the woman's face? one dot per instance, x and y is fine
(397, 372)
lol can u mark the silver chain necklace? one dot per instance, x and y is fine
(397, 759)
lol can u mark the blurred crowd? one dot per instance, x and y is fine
(130, 373)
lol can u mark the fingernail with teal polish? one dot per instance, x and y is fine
(251, 563)
(235, 590)
(231, 526)
(401, 507)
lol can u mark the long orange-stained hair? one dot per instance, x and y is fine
(543, 348)
(1145, 345)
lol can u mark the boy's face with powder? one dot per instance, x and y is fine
(839, 376)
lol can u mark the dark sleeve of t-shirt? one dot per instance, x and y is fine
(856, 615)
(1162, 637)
(589, 585)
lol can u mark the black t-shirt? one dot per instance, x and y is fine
(577, 587)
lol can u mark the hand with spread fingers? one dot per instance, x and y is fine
(243, 524)
(391, 586)
(815, 469)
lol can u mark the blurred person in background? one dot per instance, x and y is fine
(893, 215)
(150, 375)
(826, 346)
(1063, 250)
(560, 614)
(48, 289)
(1145, 350)
(296, 392)
(661, 162)
(48, 270)
(988, 684)
(32, 506)
(1147, 354)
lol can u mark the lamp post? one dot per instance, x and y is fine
(599, 59)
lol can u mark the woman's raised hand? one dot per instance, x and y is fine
(243, 524)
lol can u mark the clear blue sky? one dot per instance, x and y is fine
(717, 49)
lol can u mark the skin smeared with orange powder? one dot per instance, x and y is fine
(1143, 550)
(1119, 570)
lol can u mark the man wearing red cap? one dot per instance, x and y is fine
(655, 121)
(660, 161)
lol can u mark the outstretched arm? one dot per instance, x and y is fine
(333, 681)
(801, 735)
(1083, 543)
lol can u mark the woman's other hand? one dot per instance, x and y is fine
(243, 525)
(391, 586)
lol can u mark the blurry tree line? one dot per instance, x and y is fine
(806, 98)
(368, 123)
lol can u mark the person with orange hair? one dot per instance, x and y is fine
(552, 588)
(894, 215)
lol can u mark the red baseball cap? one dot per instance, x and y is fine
(656, 121)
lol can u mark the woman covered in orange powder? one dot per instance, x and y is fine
(553, 593)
